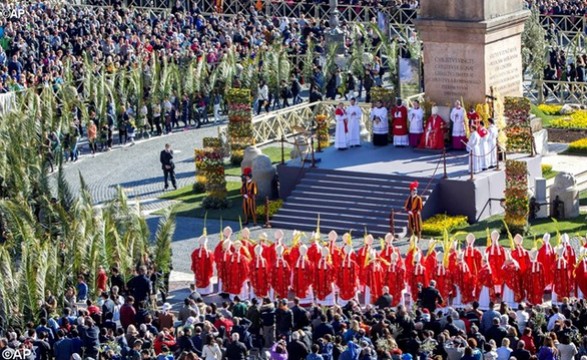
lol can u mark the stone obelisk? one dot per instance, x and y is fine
(470, 46)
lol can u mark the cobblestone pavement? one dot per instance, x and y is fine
(136, 168)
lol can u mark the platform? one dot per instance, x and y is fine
(455, 195)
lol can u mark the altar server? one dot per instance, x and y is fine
(355, 116)
(416, 118)
(380, 124)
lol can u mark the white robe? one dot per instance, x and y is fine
(485, 151)
(457, 116)
(383, 126)
(355, 115)
(474, 146)
(416, 118)
(508, 297)
(341, 140)
(484, 298)
(493, 134)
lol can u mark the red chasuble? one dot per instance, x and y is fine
(202, 267)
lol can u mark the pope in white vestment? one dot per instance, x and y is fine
(355, 115)
(457, 116)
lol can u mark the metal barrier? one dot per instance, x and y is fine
(560, 92)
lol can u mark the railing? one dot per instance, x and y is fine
(559, 92)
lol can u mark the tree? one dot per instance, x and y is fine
(534, 46)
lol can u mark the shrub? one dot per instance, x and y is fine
(198, 188)
(547, 171)
(550, 109)
(578, 147)
(274, 206)
(439, 222)
(211, 202)
(577, 120)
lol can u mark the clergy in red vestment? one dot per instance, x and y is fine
(260, 276)
(293, 253)
(563, 281)
(362, 256)
(315, 248)
(472, 255)
(389, 248)
(303, 273)
(395, 279)
(323, 281)
(245, 238)
(473, 116)
(281, 274)
(520, 254)
(547, 257)
(534, 280)
(464, 282)
(433, 136)
(347, 277)
(203, 267)
(430, 261)
(336, 254)
(570, 255)
(222, 255)
(417, 277)
(238, 271)
(443, 278)
(412, 250)
(496, 256)
(399, 124)
(269, 247)
(581, 275)
(486, 284)
(374, 277)
(513, 290)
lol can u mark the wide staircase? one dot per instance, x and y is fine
(350, 201)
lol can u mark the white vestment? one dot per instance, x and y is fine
(457, 116)
(341, 136)
(355, 115)
(381, 127)
(493, 133)
(485, 151)
(474, 146)
(416, 118)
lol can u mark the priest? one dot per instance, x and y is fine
(547, 257)
(341, 141)
(457, 117)
(355, 116)
(534, 280)
(416, 118)
(303, 273)
(347, 278)
(203, 267)
(380, 122)
(496, 257)
(395, 279)
(260, 276)
(281, 274)
(433, 136)
(323, 280)
(399, 122)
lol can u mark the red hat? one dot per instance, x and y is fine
(413, 186)
(339, 112)
(247, 171)
(425, 311)
(482, 132)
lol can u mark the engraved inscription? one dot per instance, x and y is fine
(455, 75)
(504, 69)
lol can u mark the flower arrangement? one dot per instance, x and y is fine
(578, 147)
(577, 120)
(519, 133)
(322, 130)
(240, 127)
(516, 196)
(437, 224)
(550, 109)
(210, 176)
(483, 111)
(499, 118)
(274, 206)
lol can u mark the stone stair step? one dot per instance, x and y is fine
(337, 206)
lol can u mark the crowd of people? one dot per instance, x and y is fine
(443, 320)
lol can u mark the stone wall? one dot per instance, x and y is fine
(469, 10)
(565, 135)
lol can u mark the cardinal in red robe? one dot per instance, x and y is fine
(534, 281)
(303, 274)
(581, 276)
(513, 279)
(222, 255)
(203, 267)
(374, 278)
(472, 255)
(473, 117)
(362, 256)
(347, 277)
(547, 257)
(336, 254)
(417, 277)
(570, 255)
(323, 281)
(464, 281)
(281, 276)
(520, 254)
(395, 279)
(433, 136)
(486, 284)
(389, 248)
(399, 124)
(496, 256)
(444, 279)
(238, 270)
(563, 281)
(260, 276)
(315, 249)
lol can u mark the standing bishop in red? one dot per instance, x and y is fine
(433, 136)
(395, 279)
(303, 273)
(472, 255)
(399, 124)
(260, 276)
(238, 272)
(374, 277)
(563, 281)
(547, 257)
(486, 284)
(347, 277)
(281, 274)
(464, 282)
(417, 277)
(534, 280)
(496, 256)
(362, 257)
(513, 290)
(581, 275)
(335, 252)
(520, 254)
(443, 277)
(203, 267)
(389, 248)
(323, 282)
